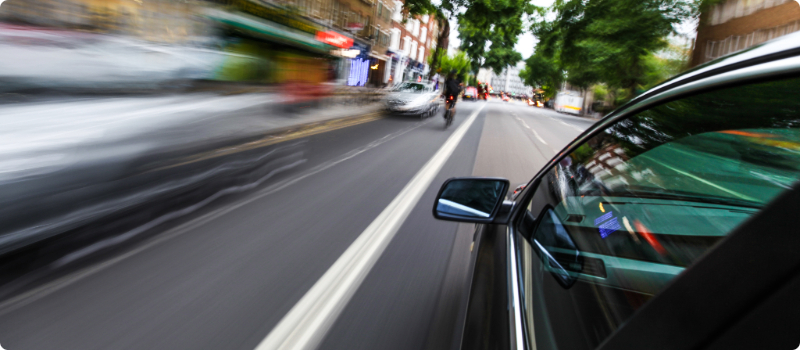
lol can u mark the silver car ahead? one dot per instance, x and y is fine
(418, 99)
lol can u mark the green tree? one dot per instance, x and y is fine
(608, 41)
(542, 72)
(442, 41)
(458, 62)
(488, 30)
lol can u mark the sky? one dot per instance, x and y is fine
(526, 41)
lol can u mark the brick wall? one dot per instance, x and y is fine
(739, 33)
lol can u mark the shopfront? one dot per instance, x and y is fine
(378, 70)
(279, 50)
(358, 66)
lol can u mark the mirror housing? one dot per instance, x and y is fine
(473, 199)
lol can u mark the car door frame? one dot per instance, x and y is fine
(776, 65)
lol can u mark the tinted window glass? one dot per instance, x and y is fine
(650, 195)
(411, 87)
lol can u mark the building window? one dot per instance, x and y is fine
(421, 55)
(365, 21)
(395, 41)
(735, 43)
(344, 12)
(406, 45)
(415, 31)
(385, 39)
(727, 10)
(397, 16)
(425, 19)
(413, 53)
(423, 35)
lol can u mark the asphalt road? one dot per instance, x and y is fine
(223, 277)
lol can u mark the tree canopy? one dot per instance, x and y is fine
(604, 41)
(488, 29)
(458, 62)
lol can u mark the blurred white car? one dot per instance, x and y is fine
(31, 58)
(418, 99)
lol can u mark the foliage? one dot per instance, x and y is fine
(488, 28)
(442, 41)
(496, 24)
(542, 72)
(608, 41)
(665, 64)
(419, 7)
(600, 92)
(458, 62)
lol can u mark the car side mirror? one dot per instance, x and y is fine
(472, 199)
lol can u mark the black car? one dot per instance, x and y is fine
(670, 224)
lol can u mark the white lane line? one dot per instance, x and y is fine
(534, 132)
(565, 123)
(310, 319)
(28, 297)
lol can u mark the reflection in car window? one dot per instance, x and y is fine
(650, 195)
(411, 87)
(479, 197)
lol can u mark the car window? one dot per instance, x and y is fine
(411, 87)
(644, 199)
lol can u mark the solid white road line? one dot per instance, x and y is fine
(310, 319)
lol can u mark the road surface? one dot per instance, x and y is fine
(225, 276)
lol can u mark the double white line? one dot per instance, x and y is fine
(309, 320)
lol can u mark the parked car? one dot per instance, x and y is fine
(418, 99)
(669, 224)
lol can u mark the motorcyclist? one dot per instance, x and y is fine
(452, 88)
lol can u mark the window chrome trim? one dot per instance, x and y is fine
(515, 305)
(765, 70)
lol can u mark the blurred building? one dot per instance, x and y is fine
(484, 75)
(275, 41)
(411, 43)
(167, 21)
(508, 81)
(735, 25)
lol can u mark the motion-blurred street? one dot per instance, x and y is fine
(223, 273)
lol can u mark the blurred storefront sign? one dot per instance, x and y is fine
(363, 49)
(359, 72)
(268, 30)
(355, 26)
(346, 53)
(335, 39)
